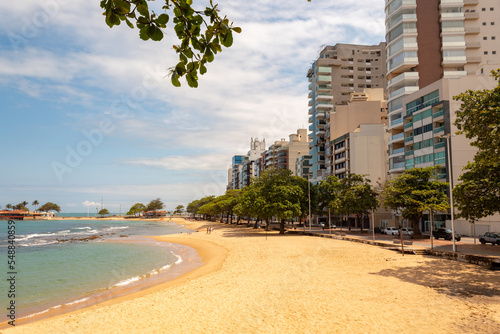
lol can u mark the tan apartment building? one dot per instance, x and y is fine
(339, 71)
(357, 137)
(284, 154)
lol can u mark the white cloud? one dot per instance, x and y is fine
(184, 163)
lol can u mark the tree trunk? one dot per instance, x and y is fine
(282, 226)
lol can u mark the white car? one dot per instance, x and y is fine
(407, 230)
(391, 230)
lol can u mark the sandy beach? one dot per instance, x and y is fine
(258, 282)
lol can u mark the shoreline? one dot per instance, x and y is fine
(258, 282)
(145, 285)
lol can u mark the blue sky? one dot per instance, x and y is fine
(88, 112)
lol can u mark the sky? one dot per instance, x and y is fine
(89, 113)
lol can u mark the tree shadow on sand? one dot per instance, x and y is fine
(452, 278)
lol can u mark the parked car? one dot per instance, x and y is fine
(446, 234)
(391, 230)
(407, 231)
(490, 237)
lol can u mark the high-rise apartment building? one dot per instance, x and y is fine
(356, 137)
(436, 50)
(339, 71)
(243, 166)
(428, 40)
(284, 154)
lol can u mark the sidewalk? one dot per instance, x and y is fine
(466, 252)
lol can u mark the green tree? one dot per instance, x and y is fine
(478, 194)
(21, 206)
(227, 202)
(280, 194)
(251, 203)
(35, 204)
(330, 194)
(155, 205)
(357, 196)
(307, 187)
(49, 206)
(103, 212)
(201, 33)
(179, 209)
(8, 206)
(136, 208)
(195, 205)
(414, 192)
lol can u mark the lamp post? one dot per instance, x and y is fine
(450, 169)
(309, 193)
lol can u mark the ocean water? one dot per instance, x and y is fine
(63, 263)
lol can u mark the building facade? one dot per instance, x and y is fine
(339, 71)
(428, 40)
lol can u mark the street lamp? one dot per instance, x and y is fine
(450, 169)
(309, 192)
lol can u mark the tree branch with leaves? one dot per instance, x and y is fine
(201, 33)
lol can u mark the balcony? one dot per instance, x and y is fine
(397, 152)
(454, 61)
(323, 88)
(311, 120)
(397, 138)
(323, 70)
(320, 114)
(406, 76)
(403, 91)
(473, 59)
(440, 129)
(472, 30)
(324, 97)
(320, 105)
(310, 111)
(439, 145)
(407, 125)
(323, 79)
(408, 139)
(471, 15)
(473, 45)
(398, 123)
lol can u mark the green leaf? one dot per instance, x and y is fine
(183, 58)
(143, 9)
(180, 69)
(155, 33)
(236, 29)
(113, 20)
(210, 56)
(143, 33)
(175, 80)
(227, 40)
(192, 80)
(188, 52)
(129, 24)
(162, 19)
(203, 69)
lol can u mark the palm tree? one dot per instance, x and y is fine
(8, 206)
(35, 204)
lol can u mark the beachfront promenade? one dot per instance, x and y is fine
(262, 282)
